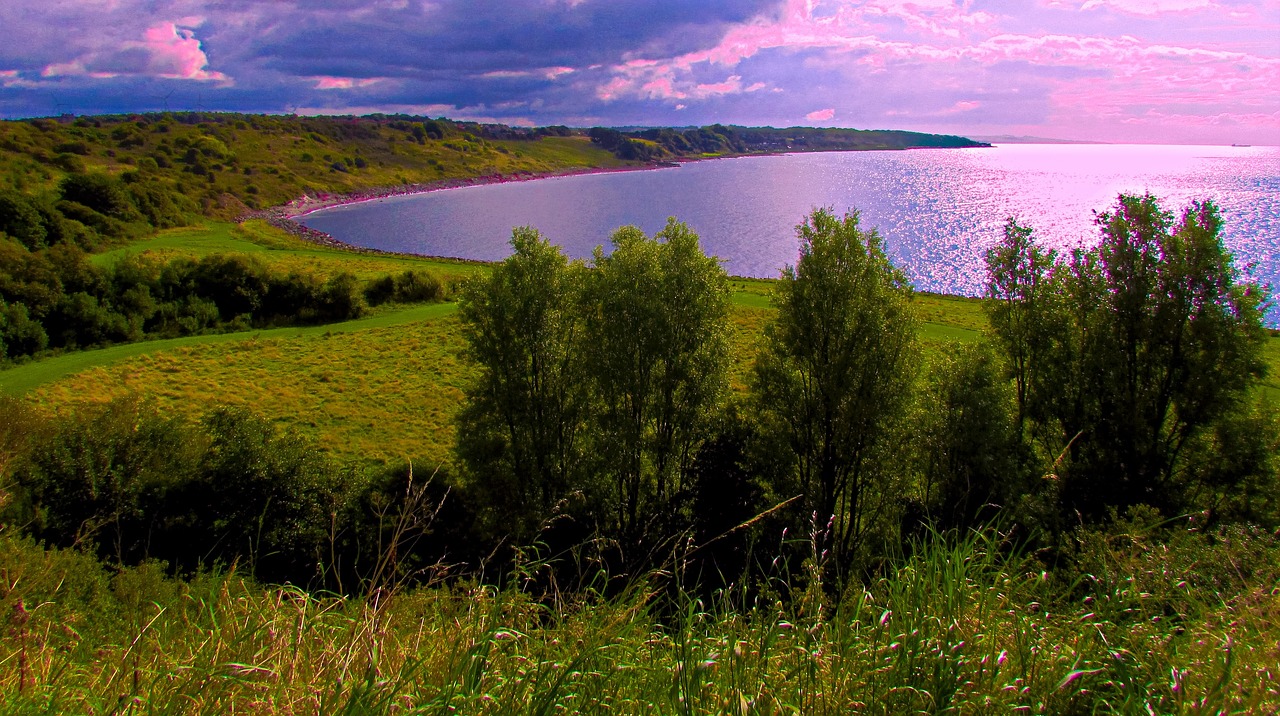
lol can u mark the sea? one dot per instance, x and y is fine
(938, 210)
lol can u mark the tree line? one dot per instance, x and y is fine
(57, 299)
(657, 143)
(1120, 378)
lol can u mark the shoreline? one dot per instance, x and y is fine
(285, 216)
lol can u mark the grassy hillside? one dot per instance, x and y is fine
(383, 387)
(1131, 618)
(229, 163)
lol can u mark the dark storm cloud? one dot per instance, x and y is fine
(491, 36)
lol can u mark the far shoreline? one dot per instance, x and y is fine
(285, 216)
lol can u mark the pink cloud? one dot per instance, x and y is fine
(1150, 7)
(64, 69)
(822, 115)
(962, 106)
(168, 49)
(176, 53)
(329, 83)
(947, 45)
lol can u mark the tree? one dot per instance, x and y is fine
(1023, 306)
(835, 372)
(519, 433)
(1151, 351)
(20, 219)
(970, 448)
(656, 328)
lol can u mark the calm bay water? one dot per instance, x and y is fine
(938, 210)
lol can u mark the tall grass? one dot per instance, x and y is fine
(963, 624)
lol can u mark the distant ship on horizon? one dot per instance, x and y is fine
(1242, 145)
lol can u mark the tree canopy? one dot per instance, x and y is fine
(1131, 358)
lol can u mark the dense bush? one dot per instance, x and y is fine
(408, 287)
(129, 484)
(55, 298)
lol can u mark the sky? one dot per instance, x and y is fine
(1166, 71)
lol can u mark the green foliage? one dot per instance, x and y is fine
(103, 194)
(411, 286)
(966, 433)
(639, 343)
(833, 378)
(99, 479)
(59, 298)
(656, 350)
(520, 433)
(129, 484)
(21, 221)
(261, 494)
(1134, 360)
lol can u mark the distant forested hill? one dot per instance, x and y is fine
(221, 164)
(717, 139)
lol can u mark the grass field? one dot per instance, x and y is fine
(281, 251)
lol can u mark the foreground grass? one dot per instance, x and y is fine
(959, 627)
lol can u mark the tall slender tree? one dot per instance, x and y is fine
(835, 372)
(656, 331)
(519, 433)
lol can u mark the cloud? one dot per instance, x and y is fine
(175, 53)
(1150, 7)
(167, 50)
(822, 115)
(331, 83)
(920, 64)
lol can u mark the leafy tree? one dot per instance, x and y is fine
(260, 493)
(656, 331)
(20, 219)
(19, 335)
(102, 193)
(520, 432)
(1024, 308)
(1149, 354)
(834, 375)
(972, 462)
